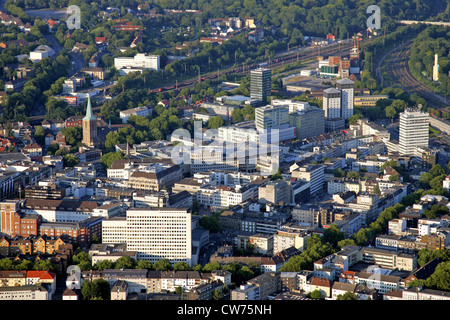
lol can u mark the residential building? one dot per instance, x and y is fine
(314, 174)
(347, 88)
(246, 292)
(275, 192)
(332, 103)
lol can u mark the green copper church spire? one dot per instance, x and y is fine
(89, 113)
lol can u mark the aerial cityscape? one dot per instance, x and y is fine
(224, 151)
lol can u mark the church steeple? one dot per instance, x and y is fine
(89, 113)
(89, 126)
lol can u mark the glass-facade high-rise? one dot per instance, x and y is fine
(260, 84)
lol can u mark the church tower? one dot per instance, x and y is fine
(89, 126)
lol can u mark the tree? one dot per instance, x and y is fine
(390, 112)
(108, 159)
(316, 294)
(217, 294)
(278, 175)
(44, 265)
(436, 182)
(437, 170)
(144, 264)
(24, 265)
(39, 134)
(394, 177)
(98, 289)
(70, 160)
(211, 223)
(73, 135)
(347, 296)
(104, 264)
(162, 265)
(353, 175)
(6, 264)
(346, 242)
(125, 262)
(215, 122)
(338, 173)
(333, 235)
(211, 266)
(181, 266)
(354, 118)
(376, 190)
(244, 274)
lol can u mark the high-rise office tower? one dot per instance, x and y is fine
(332, 103)
(347, 88)
(260, 84)
(413, 130)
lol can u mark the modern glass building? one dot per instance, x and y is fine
(260, 84)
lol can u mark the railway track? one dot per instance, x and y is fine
(401, 76)
(278, 61)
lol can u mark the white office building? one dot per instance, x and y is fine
(154, 233)
(413, 130)
(140, 61)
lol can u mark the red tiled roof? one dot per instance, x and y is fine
(44, 275)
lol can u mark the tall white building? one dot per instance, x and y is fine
(154, 233)
(347, 88)
(413, 130)
(332, 103)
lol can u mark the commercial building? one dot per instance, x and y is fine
(155, 177)
(271, 116)
(154, 233)
(308, 122)
(413, 130)
(139, 62)
(260, 84)
(139, 111)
